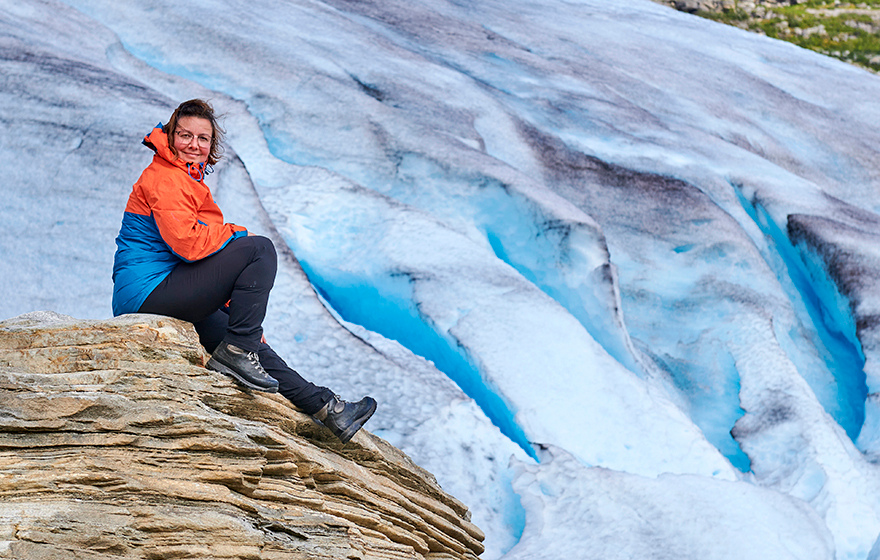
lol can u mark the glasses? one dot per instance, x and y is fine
(187, 137)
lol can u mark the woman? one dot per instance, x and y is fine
(177, 257)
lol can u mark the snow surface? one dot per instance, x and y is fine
(610, 270)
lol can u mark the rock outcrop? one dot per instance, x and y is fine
(116, 442)
(693, 6)
(723, 5)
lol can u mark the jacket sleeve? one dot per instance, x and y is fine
(192, 227)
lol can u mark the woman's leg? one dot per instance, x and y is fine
(306, 396)
(343, 418)
(242, 273)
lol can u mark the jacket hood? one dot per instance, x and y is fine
(157, 141)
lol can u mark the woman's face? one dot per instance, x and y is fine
(192, 139)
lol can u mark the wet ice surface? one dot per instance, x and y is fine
(569, 246)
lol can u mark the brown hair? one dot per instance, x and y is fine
(203, 110)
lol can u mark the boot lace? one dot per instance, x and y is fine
(254, 359)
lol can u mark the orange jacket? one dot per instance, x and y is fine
(170, 217)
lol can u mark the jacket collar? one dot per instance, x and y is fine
(157, 141)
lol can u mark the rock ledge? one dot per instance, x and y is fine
(116, 442)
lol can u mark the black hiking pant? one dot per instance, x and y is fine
(242, 273)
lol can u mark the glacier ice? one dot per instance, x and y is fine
(585, 253)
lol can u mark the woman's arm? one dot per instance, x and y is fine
(189, 221)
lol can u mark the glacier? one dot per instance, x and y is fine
(610, 270)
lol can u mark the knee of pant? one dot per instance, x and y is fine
(262, 245)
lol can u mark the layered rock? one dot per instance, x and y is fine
(116, 442)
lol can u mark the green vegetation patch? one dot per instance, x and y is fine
(848, 31)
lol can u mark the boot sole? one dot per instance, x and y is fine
(349, 432)
(217, 366)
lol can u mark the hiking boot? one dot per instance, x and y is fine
(344, 418)
(243, 366)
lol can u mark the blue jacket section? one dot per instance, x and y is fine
(142, 261)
